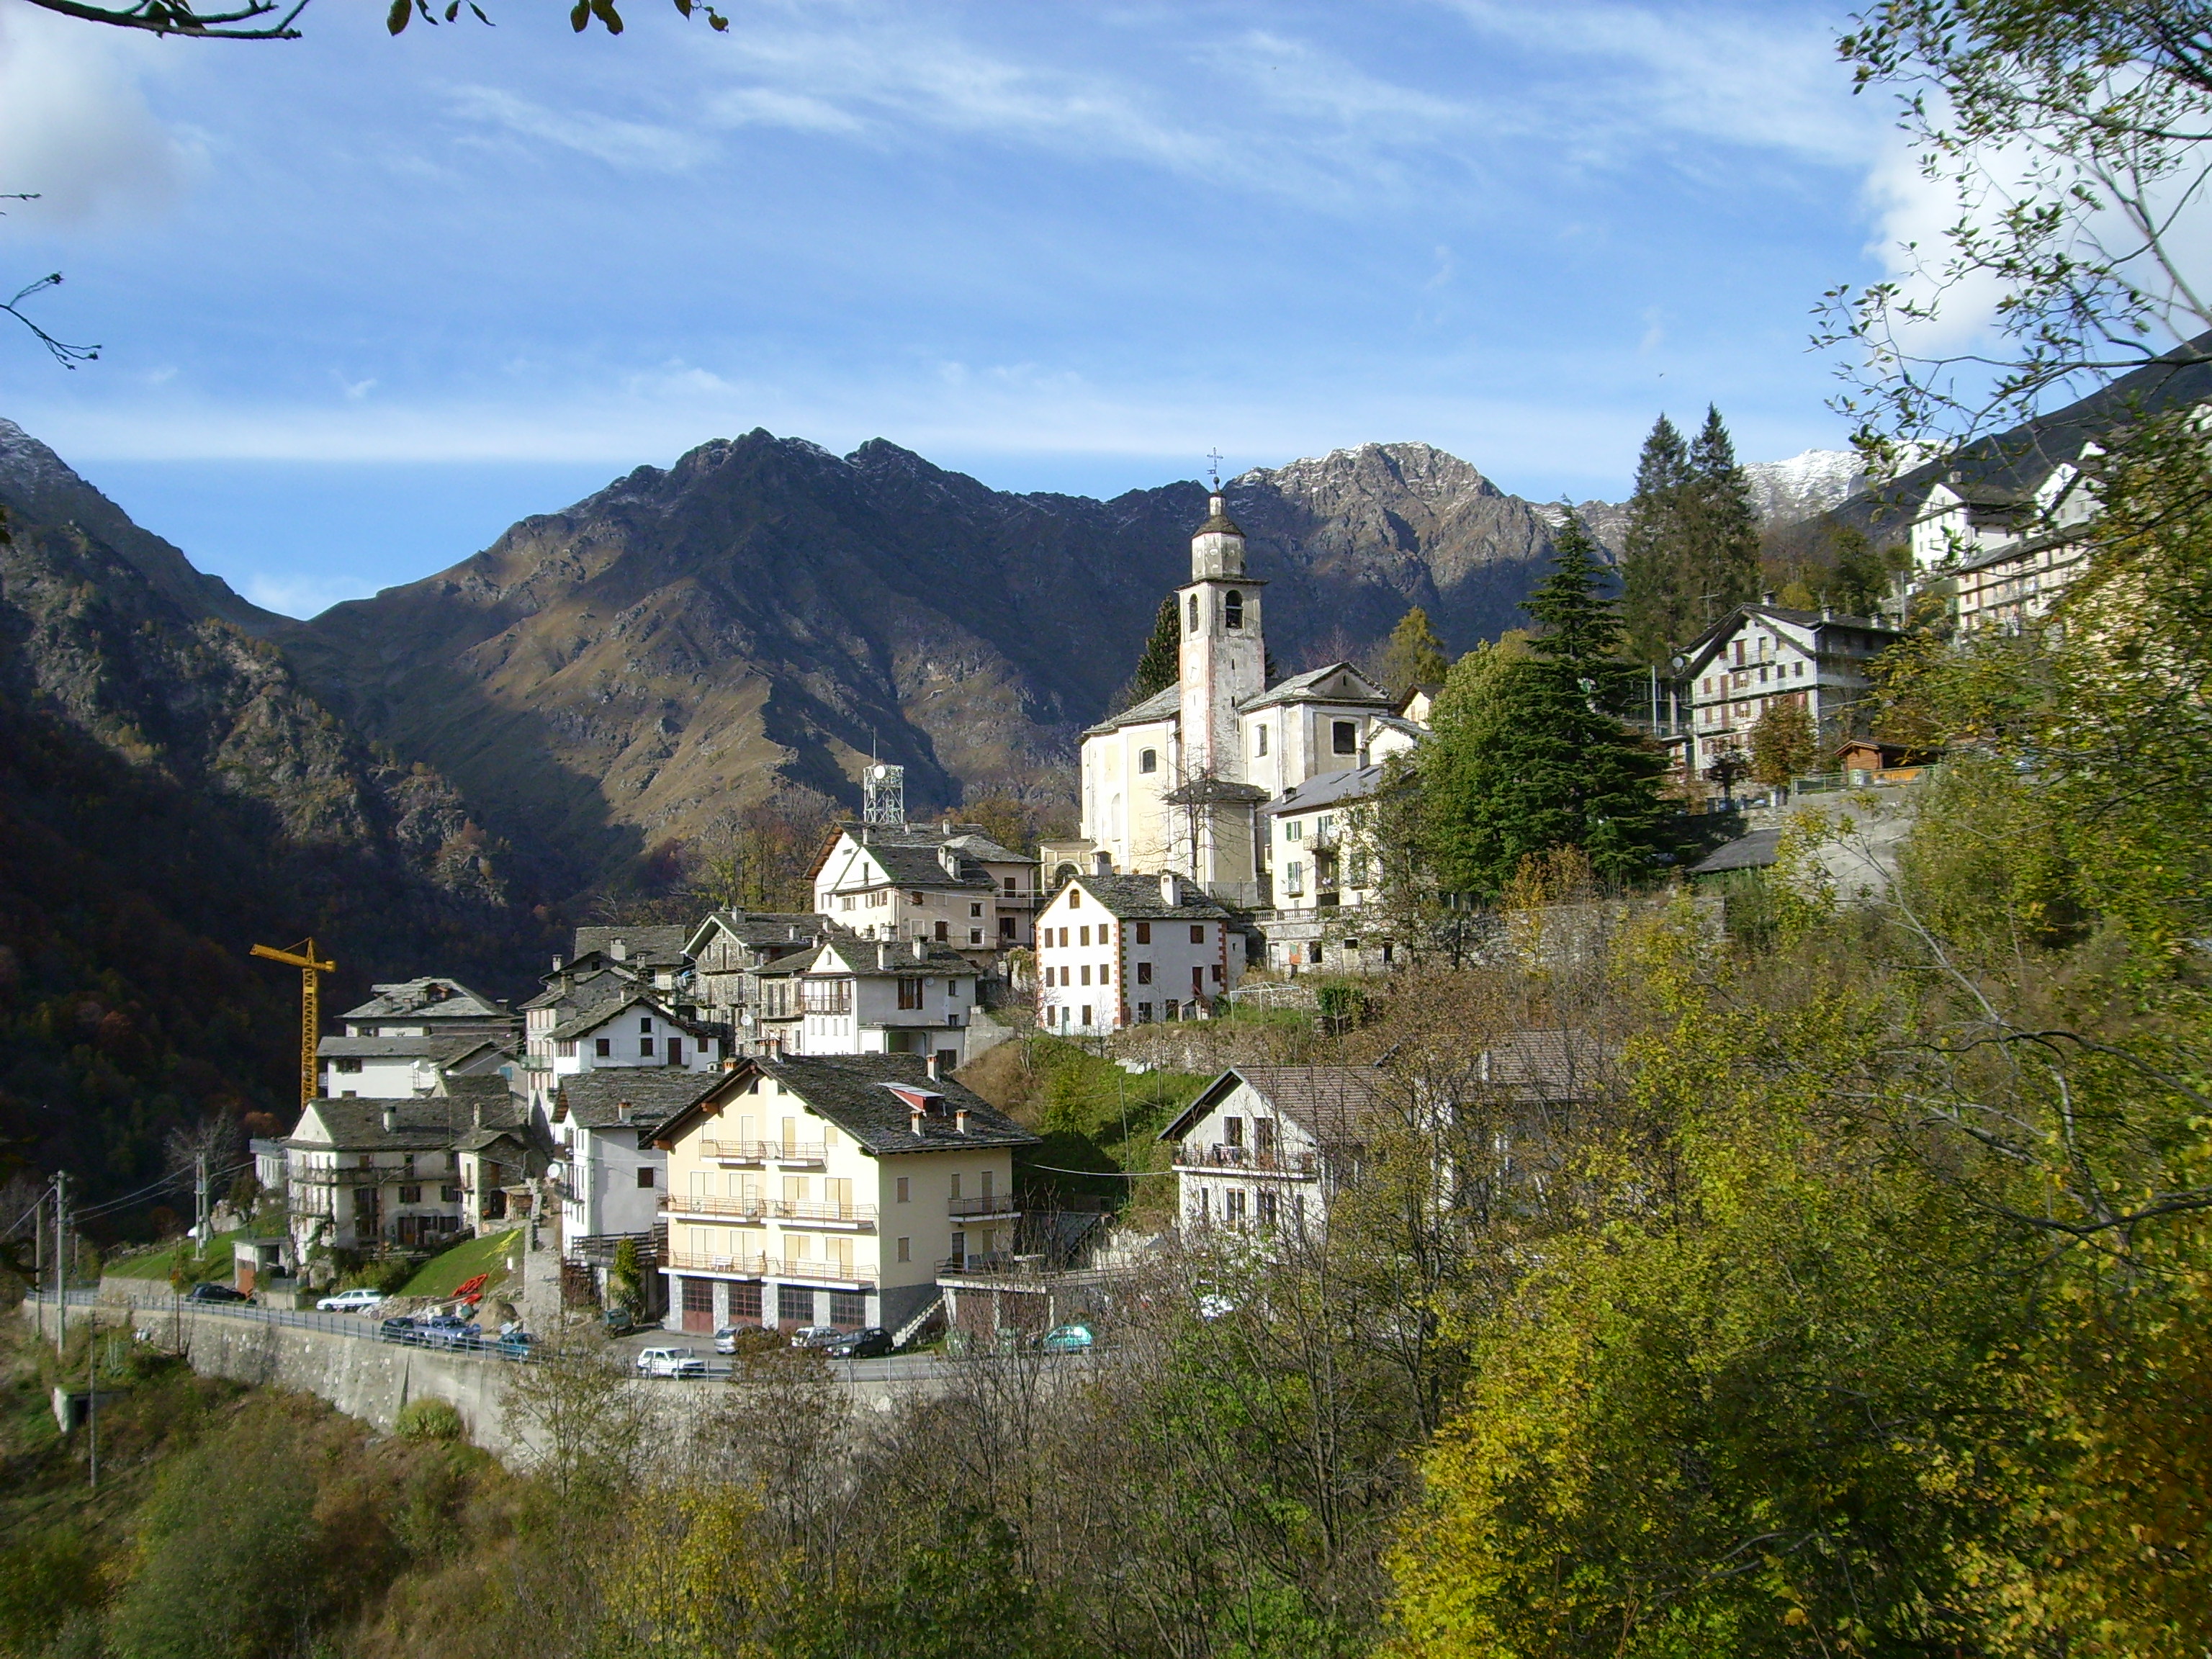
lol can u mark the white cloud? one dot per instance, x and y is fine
(296, 594)
(642, 145)
(767, 106)
(75, 127)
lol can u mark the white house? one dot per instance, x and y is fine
(400, 1067)
(610, 1174)
(431, 1006)
(1265, 1145)
(1760, 657)
(948, 883)
(832, 1189)
(632, 1031)
(1119, 951)
(859, 996)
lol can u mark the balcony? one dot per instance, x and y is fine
(1004, 1206)
(1246, 1160)
(825, 1215)
(770, 1267)
(764, 1152)
(748, 1206)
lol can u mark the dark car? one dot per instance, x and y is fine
(620, 1322)
(399, 1329)
(515, 1345)
(871, 1343)
(450, 1331)
(213, 1292)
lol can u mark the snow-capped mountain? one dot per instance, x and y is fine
(1786, 491)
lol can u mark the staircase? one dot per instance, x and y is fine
(918, 1326)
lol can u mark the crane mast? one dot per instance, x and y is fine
(302, 957)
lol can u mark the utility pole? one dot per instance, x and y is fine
(200, 1229)
(61, 1258)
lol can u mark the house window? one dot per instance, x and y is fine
(744, 1302)
(1215, 969)
(1143, 933)
(1232, 1131)
(351, 1063)
(1169, 1010)
(1232, 1206)
(906, 1249)
(1074, 902)
(453, 1195)
(645, 1177)
(1012, 887)
(676, 1051)
(1260, 741)
(645, 1023)
(1144, 1013)
(1293, 829)
(943, 932)
(844, 901)
(1198, 932)
(848, 1308)
(411, 1195)
(1233, 609)
(566, 1047)
(605, 1047)
(1266, 1202)
(904, 1187)
(1086, 1014)
(794, 1304)
(645, 1045)
(1144, 972)
(1082, 935)
(1005, 927)
(974, 936)
(909, 993)
(1085, 978)
(953, 1191)
(1148, 760)
(974, 909)
(1344, 736)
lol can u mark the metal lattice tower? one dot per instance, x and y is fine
(883, 795)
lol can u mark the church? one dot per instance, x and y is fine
(1185, 782)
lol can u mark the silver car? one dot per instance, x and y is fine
(669, 1361)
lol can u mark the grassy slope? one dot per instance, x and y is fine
(441, 1273)
(161, 1263)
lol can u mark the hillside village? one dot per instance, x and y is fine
(757, 1119)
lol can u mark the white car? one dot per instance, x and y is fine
(670, 1362)
(356, 1301)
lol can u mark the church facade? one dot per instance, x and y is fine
(1185, 781)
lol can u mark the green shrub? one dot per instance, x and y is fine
(428, 1419)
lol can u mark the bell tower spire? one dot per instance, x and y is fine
(1223, 657)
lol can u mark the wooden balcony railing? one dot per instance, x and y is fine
(1252, 1159)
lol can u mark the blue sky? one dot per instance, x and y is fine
(365, 300)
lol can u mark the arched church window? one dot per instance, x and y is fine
(1233, 609)
(1193, 629)
(1148, 760)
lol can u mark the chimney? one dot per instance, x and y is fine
(930, 1064)
(391, 1118)
(1102, 864)
(1170, 889)
(556, 964)
(621, 1111)
(619, 951)
(950, 859)
(920, 948)
(476, 1112)
(914, 1119)
(948, 829)
(960, 1121)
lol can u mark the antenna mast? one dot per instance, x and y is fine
(883, 795)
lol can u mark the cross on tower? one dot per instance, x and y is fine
(1215, 456)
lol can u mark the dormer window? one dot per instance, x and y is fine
(1148, 760)
(1233, 609)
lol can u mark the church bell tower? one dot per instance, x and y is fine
(1223, 657)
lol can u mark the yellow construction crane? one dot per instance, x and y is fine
(302, 957)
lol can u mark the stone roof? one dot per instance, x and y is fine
(1327, 789)
(1164, 705)
(1546, 1065)
(872, 957)
(1138, 898)
(1753, 852)
(438, 1046)
(583, 990)
(912, 865)
(1327, 1102)
(1307, 688)
(652, 945)
(856, 1093)
(600, 1012)
(430, 998)
(595, 1099)
(422, 1123)
(759, 928)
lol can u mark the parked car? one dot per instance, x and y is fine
(874, 1343)
(731, 1337)
(213, 1293)
(815, 1336)
(399, 1328)
(669, 1361)
(450, 1331)
(359, 1300)
(1068, 1338)
(515, 1345)
(619, 1321)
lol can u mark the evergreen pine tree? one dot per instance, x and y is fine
(1720, 529)
(1414, 655)
(1652, 552)
(1529, 754)
(1161, 666)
